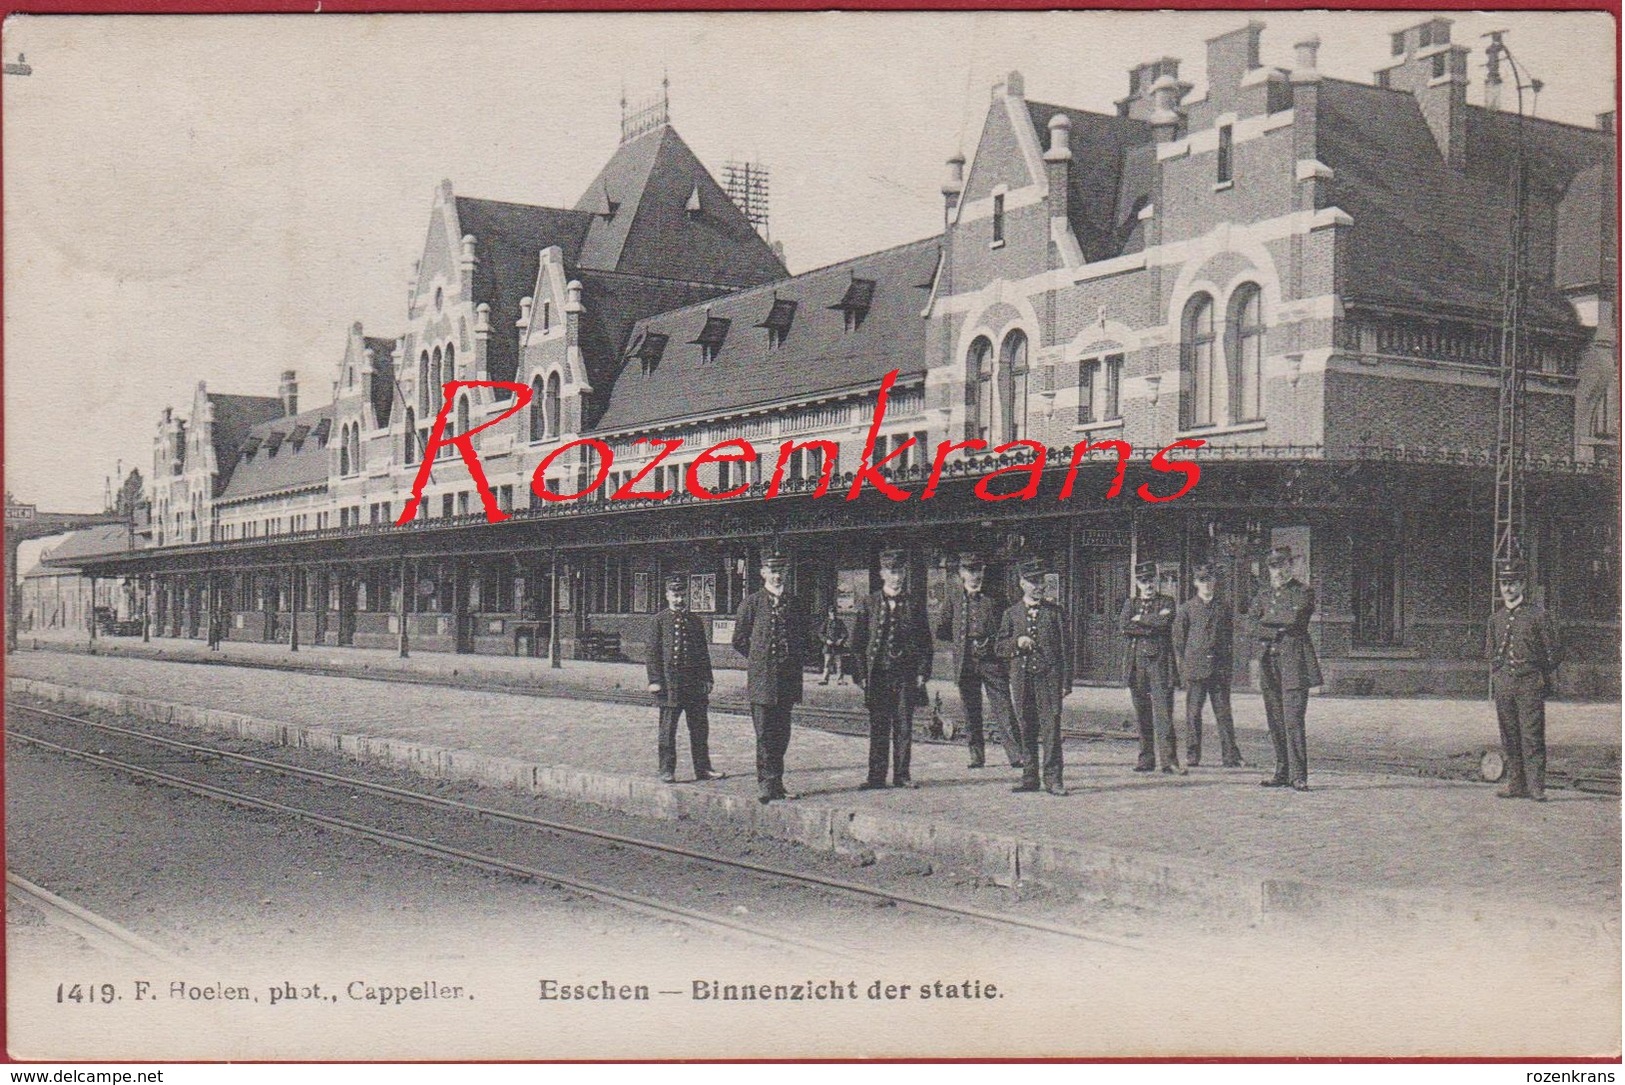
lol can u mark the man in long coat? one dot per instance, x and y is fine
(1147, 623)
(769, 632)
(891, 650)
(970, 622)
(1032, 639)
(1203, 648)
(680, 679)
(1287, 667)
(1524, 655)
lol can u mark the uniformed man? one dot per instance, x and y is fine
(891, 659)
(970, 622)
(1523, 661)
(680, 679)
(1147, 620)
(1203, 638)
(1288, 667)
(768, 633)
(1032, 640)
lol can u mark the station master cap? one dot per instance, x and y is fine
(1033, 570)
(1145, 570)
(776, 562)
(972, 560)
(1204, 572)
(1280, 558)
(894, 559)
(677, 583)
(1508, 569)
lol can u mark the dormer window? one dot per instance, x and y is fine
(273, 441)
(647, 349)
(297, 437)
(711, 337)
(1439, 65)
(778, 321)
(323, 429)
(251, 445)
(860, 294)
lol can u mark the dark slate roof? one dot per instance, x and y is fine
(1587, 252)
(383, 376)
(234, 416)
(291, 468)
(652, 233)
(90, 542)
(1104, 195)
(819, 356)
(612, 304)
(1430, 238)
(508, 239)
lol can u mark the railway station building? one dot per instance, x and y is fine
(1303, 273)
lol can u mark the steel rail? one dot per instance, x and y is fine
(407, 795)
(101, 932)
(405, 842)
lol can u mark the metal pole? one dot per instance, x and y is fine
(146, 608)
(293, 609)
(553, 648)
(93, 610)
(400, 608)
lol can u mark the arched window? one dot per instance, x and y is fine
(538, 411)
(423, 383)
(451, 362)
(1199, 404)
(552, 405)
(1013, 386)
(980, 365)
(462, 414)
(355, 447)
(439, 378)
(344, 450)
(411, 447)
(1246, 348)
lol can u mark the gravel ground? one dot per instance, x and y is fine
(260, 902)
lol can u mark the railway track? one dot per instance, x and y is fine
(101, 933)
(138, 759)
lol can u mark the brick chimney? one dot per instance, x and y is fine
(1141, 79)
(1229, 58)
(1435, 72)
(289, 390)
(1058, 165)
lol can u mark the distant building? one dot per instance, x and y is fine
(1302, 272)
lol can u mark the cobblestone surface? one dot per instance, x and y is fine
(1443, 840)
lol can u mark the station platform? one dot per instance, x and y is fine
(1365, 845)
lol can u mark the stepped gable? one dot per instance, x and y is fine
(643, 222)
(289, 453)
(819, 354)
(1108, 181)
(1430, 239)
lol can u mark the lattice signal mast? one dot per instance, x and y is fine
(1510, 435)
(747, 186)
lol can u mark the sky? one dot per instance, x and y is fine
(218, 198)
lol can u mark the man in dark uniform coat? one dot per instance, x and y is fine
(768, 632)
(970, 622)
(1203, 638)
(1032, 639)
(1523, 659)
(1288, 668)
(891, 659)
(680, 679)
(1147, 621)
